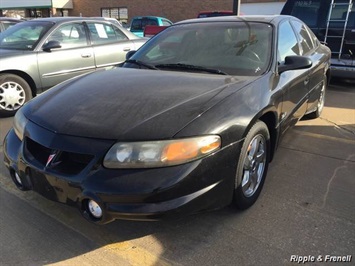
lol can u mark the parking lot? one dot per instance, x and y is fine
(306, 211)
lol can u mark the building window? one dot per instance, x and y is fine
(119, 13)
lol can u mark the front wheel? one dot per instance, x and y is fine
(252, 166)
(14, 93)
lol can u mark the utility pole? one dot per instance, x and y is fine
(236, 7)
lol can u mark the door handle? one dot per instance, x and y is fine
(126, 49)
(85, 55)
(306, 81)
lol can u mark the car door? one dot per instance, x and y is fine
(294, 82)
(309, 43)
(109, 43)
(74, 57)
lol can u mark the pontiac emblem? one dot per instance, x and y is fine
(50, 158)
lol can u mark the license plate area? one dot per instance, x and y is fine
(41, 185)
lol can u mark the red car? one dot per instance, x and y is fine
(151, 30)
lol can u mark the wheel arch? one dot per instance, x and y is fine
(26, 77)
(269, 118)
(328, 75)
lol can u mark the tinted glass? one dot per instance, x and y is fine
(238, 48)
(287, 42)
(304, 37)
(307, 11)
(339, 13)
(139, 24)
(24, 36)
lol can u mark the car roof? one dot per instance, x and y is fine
(66, 19)
(272, 19)
(139, 17)
(11, 19)
(216, 11)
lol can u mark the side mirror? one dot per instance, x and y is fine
(51, 45)
(295, 62)
(129, 54)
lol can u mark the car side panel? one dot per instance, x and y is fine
(117, 55)
(62, 64)
(294, 84)
(28, 66)
(317, 73)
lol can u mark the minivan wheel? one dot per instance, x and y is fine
(14, 93)
(252, 166)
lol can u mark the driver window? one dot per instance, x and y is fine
(70, 35)
(287, 42)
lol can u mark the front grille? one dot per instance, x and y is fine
(38, 152)
(63, 162)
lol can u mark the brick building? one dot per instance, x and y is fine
(124, 10)
(175, 10)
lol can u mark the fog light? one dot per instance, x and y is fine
(94, 209)
(18, 179)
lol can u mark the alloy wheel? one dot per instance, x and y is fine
(254, 165)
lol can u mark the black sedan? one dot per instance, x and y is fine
(189, 123)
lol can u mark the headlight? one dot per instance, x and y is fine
(20, 122)
(148, 154)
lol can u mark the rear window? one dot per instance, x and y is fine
(313, 12)
(307, 11)
(339, 13)
(139, 24)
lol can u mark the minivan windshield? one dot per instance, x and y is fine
(233, 48)
(24, 36)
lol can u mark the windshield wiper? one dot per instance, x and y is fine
(140, 63)
(192, 67)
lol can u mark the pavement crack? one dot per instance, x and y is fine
(338, 126)
(325, 197)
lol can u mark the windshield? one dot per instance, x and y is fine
(233, 48)
(23, 36)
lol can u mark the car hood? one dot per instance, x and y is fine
(129, 104)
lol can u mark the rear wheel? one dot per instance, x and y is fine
(321, 101)
(252, 166)
(14, 93)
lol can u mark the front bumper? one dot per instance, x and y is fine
(135, 194)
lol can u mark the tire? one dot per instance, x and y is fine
(18, 182)
(252, 166)
(14, 93)
(320, 105)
